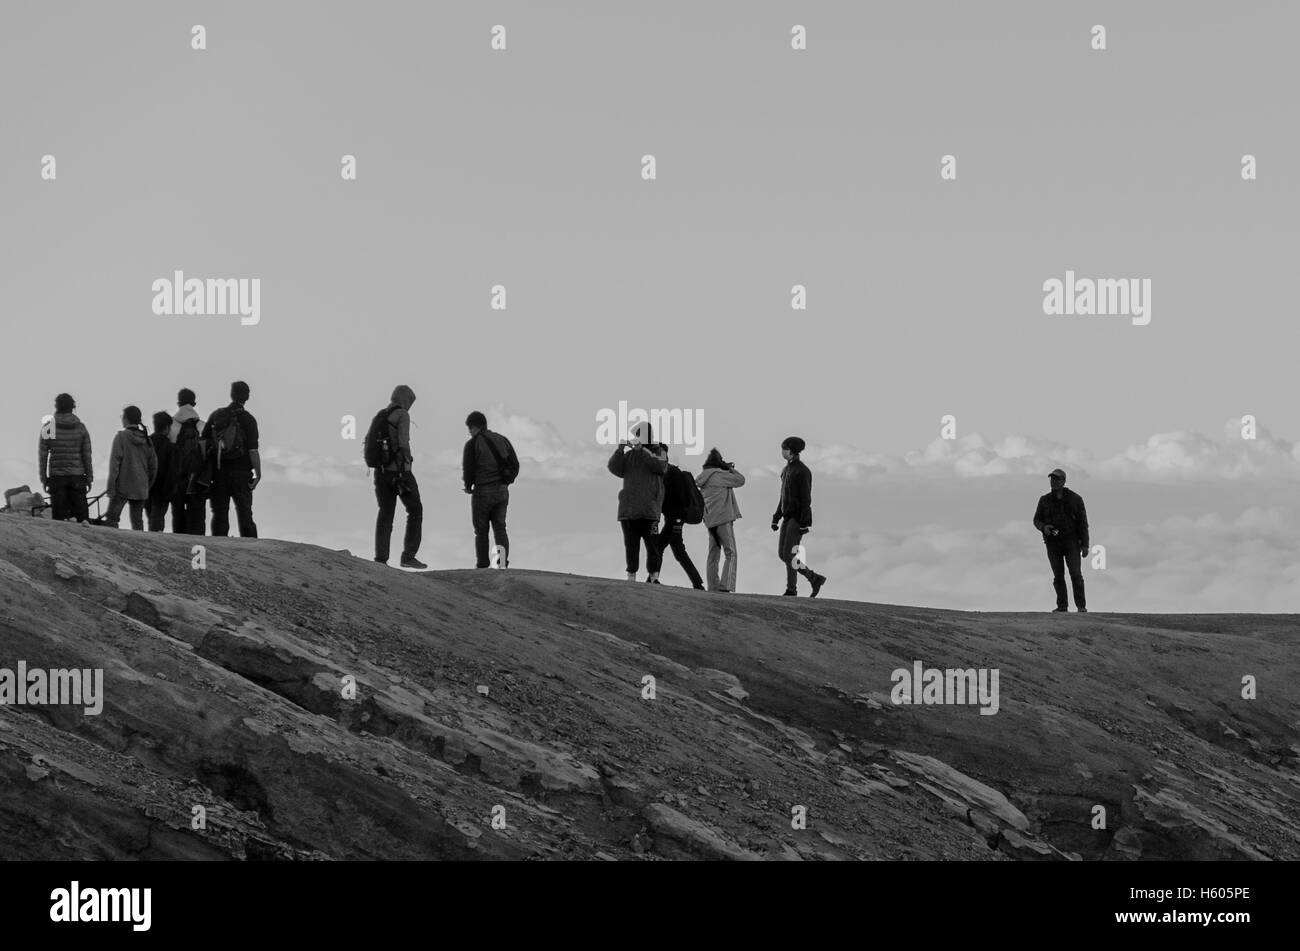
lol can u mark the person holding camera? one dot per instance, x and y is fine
(718, 483)
(793, 517)
(1062, 519)
(640, 501)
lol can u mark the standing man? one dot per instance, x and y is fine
(793, 517)
(231, 436)
(674, 508)
(489, 465)
(189, 470)
(1061, 518)
(394, 479)
(65, 467)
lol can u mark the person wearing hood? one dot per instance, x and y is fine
(64, 461)
(718, 483)
(237, 467)
(396, 481)
(793, 518)
(162, 492)
(640, 501)
(187, 470)
(132, 466)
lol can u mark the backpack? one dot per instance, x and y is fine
(694, 513)
(190, 457)
(227, 435)
(380, 448)
(508, 473)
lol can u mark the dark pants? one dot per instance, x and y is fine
(488, 507)
(636, 531)
(114, 514)
(68, 498)
(158, 514)
(389, 487)
(231, 485)
(671, 537)
(790, 536)
(1062, 556)
(190, 514)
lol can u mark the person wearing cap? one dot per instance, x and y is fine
(793, 516)
(1063, 521)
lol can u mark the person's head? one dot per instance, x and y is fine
(476, 423)
(404, 397)
(131, 416)
(714, 460)
(161, 421)
(1057, 479)
(64, 403)
(185, 397)
(791, 446)
(239, 392)
(660, 450)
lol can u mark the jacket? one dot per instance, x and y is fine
(163, 483)
(718, 488)
(68, 453)
(132, 465)
(247, 424)
(478, 466)
(399, 415)
(675, 499)
(183, 413)
(643, 484)
(796, 494)
(1067, 514)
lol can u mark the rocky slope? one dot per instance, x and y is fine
(505, 715)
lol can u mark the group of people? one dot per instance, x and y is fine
(654, 488)
(183, 465)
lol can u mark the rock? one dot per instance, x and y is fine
(1025, 847)
(692, 836)
(65, 571)
(972, 791)
(481, 689)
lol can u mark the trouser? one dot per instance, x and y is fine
(636, 531)
(790, 536)
(157, 511)
(1062, 557)
(232, 485)
(114, 514)
(722, 540)
(671, 537)
(190, 514)
(389, 487)
(488, 507)
(68, 498)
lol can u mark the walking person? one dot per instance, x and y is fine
(231, 437)
(793, 517)
(189, 473)
(677, 486)
(1062, 519)
(65, 466)
(718, 482)
(639, 501)
(388, 453)
(488, 466)
(132, 467)
(162, 492)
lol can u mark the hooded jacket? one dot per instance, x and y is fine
(399, 414)
(796, 494)
(642, 494)
(132, 465)
(1067, 514)
(718, 488)
(182, 414)
(68, 453)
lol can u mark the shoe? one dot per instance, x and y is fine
(789, 594)
(382, 561)
(631, 576)
(817, 582)
(1060, 610)
(723, 591)
(410, 561)
(651, 580)
(698, 587)
(1083, 610)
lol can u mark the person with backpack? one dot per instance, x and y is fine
(132, 467)
(65, 466)
(488, 466)
(1063, 522)
(231, 439)
(161, 493)
(793, 516)
(189, 475)
(640, 500)
(718, 483)
(388, 452)
(682, 503)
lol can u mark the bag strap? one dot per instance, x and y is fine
(501, 463)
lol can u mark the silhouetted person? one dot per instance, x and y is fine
(793, 516)
(65, 466)
(394, 480)
(162, 492)
(1061, 518)
(231, 436)
(718, 483)
(132, 466)
(488, 466)
(674, 510)
(639, 501)
(190, 473)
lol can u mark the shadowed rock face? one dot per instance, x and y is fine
(520, 695)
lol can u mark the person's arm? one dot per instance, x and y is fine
(729, 478)
(87, 462)
(252, 445)
(1039, 523)
(1083, 526)
(467, 460)
(617, 462)
(114, 465)
(404, 437)
(654, 463)
(42, 461)
(511, 459)
(804, 489)
(152, 464)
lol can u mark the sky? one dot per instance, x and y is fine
(819, 167)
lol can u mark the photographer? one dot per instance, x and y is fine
(640, 500)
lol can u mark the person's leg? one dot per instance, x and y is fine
(1056, 558)
(60, 498)
(1074, 561)
(196, 514)
(631, 545)
(387, 500)
(114, 514)
(727, 537)
(221, 503)
(157, 514)
(654, 543)
(683, 557)
(242, 495)
(480, 504)
(711, 560)
(787, 538)
(137, 515)
(497, 516)
(410, 495)
(180, 515)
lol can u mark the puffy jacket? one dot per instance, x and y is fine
(796, 494)
(1067, 514)
(478, 466)
(642, 494)
(68, 453)
(399, 414)
(132, 465)
(718, 488)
